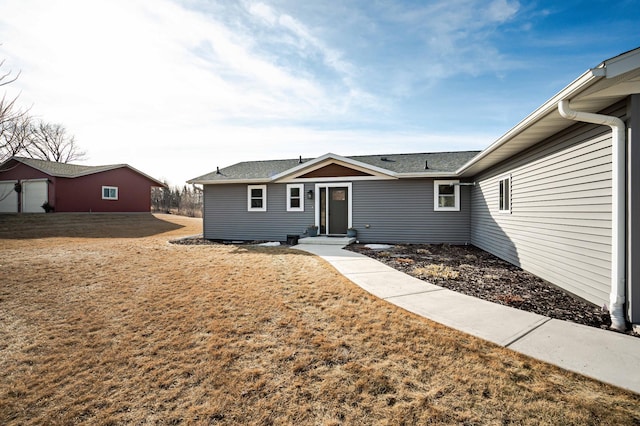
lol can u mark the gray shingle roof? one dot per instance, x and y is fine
(67, 170)
(64, 169)
(438, 162)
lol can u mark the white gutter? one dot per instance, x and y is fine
(617, 295)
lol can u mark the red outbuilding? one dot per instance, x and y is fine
(28, 185)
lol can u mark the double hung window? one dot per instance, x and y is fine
(295, 197)
(446, 195)
(257, 198)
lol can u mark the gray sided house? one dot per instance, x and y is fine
(556, 195)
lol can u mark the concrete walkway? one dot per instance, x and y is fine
(607, 356)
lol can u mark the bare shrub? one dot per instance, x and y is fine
(437, 271)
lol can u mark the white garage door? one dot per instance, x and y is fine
(34, 195)
(8, 197)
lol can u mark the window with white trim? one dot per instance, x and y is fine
(109, 192)
(257, 198)
(446, 195)
(295, 197)
(505, 194)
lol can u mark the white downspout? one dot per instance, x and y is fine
(618, 249)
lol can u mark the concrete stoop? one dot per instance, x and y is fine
(323, 240)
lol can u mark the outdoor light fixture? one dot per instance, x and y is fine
(310, 194)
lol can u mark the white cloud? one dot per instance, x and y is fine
(502, 10)
(141, 56)
(175, 91)
(263, 11)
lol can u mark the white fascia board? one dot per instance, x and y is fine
(436, 175)
(621, 64)
(319, 162)
(608, 69)
(101, 169)
(303, 166)
(577, 86)
(335, 179)
(229, 181)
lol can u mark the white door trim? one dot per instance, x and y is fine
(317, 201)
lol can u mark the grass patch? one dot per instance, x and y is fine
(119, 329)
(437, 271)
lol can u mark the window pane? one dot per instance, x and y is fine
(256, 203)
(105, 192)
(446, 201)
(295, 192)
(504, 194)
(339, 195)
(507, 201)
(256, 193)
(446, 190)
(295, 202)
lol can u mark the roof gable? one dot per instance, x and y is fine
(331, 166)
(333, 170)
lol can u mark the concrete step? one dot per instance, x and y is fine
(327, 241)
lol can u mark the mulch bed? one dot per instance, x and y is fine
(474, 272)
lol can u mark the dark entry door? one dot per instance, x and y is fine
(338, 210)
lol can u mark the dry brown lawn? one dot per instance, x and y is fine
(104, 322)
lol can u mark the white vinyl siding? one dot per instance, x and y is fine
(295, 197)
(257, 198)
(560, 222)
(446, 195)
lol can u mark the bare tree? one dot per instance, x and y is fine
(21, 135)
(52, 142)
(15, 137)
(186, 201)
(13, 121)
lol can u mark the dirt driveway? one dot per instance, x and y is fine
(102, 321)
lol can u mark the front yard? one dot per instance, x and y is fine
(103, 322)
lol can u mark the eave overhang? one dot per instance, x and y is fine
(596, 89)
(228, 181)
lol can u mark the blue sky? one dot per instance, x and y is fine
(178, 87)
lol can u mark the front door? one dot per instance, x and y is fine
(334, 210)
